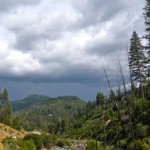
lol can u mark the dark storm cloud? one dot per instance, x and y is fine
(73, 75)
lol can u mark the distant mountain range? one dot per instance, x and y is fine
(37, 111)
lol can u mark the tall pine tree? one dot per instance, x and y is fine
(100, 99)
(136, 58)
(8, 108)
(2, 106)
(147, 36)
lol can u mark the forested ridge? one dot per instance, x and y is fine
(39, 112)
(117, 120)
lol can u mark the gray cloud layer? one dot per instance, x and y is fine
(14, 4)
(65, 41)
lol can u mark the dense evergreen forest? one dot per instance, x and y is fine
(41, 112)
(119, 120)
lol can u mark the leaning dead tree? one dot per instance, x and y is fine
(127, 100)
(116, 105)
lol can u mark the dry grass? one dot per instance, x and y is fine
(7, 131)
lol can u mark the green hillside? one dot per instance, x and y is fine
(37, 111)
(29, 101)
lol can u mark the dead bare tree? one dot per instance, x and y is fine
(127, 100)
(116, 104)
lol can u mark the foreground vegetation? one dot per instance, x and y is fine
(116, 128)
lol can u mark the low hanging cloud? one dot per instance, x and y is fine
(65, 41)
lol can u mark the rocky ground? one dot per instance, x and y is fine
(75, 145)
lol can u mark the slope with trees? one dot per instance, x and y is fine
(43, 113)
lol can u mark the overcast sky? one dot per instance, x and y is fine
(57, 47)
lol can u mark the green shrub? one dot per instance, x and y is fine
(30, 144)
(27, 145)
(123, 144)
(143, 144)
(111, 147)
(91, 145)
(130, 146)
(36, 138)
(54, 139)
(60, 144)
(138, 144)
(66, 142)
(141, 130)
(46, 140)
(9, 143)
